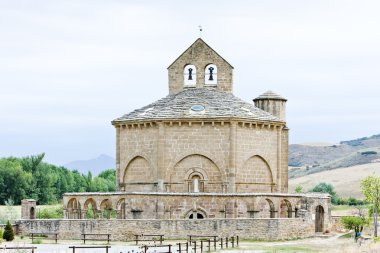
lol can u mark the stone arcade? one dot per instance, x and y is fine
(201, 153)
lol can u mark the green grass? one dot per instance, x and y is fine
(37, 241)
(348, 235)
(341, 207)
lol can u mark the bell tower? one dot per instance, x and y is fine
(200, 66)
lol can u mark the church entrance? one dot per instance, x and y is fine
(319, 218)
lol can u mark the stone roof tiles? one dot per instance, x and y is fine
(270, 95)
(197, 103)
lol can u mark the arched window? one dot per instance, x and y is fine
(211, 74)
(196, 183)
(189, 75)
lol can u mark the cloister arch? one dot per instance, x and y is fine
(73, 209)
(286, 209)
(120, 209)
(266, 208)
(106, 208)
(90, 209)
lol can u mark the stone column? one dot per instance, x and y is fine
(231, 172)
(118, 158)
(279, 158)
(84, 214)
(160, 157)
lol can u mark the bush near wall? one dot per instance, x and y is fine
(8, 234)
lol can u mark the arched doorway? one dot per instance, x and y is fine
(319, 218)
(32, 213)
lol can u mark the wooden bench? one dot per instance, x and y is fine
(19, 248)
(90, 247)
(146, 247)
(213, 238)
(44, 236)
(106, 237)
(144, 238)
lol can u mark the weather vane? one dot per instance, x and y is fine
(200, 31)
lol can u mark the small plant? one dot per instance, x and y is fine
(299, 189)
(37, 241)
(8, 234)
(1, 235)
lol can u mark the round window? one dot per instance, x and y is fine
(197, 108)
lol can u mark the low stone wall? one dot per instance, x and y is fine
(121, 230)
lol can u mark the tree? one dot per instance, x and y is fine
(298, 189)
(355, 223)
(370, 187)
(8, 234)
(326, 188)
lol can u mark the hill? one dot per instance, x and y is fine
(96, 165)
(309, 159)
(346, 181)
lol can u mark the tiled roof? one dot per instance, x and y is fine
(197, 103)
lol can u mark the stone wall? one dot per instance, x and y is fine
(121, 230)
(227, 156)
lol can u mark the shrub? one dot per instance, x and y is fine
(298, 189)
(55, 212)
(1, 235)
(8, 234)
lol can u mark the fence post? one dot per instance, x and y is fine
(84, 238)
(187, 247)
(170, 248)
(201, 246)
(233, 241)
(107, 249)
(214, 242)
(209, 245)
(221, 242)
(227, 242)
(237, 241)
(73, 249)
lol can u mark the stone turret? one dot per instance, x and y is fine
(272, 103)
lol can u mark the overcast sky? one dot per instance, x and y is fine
(67, 68)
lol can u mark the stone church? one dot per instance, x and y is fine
(202, 138)
(203, 153)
